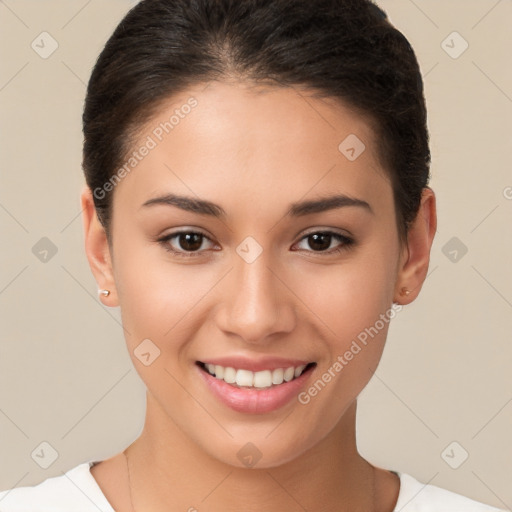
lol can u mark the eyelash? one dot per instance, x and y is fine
(346, 245)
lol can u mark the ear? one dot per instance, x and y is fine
(415, 257)
(97, 249)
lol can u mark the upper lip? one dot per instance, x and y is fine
(255, 365)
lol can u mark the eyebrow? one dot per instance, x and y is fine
(298, 209)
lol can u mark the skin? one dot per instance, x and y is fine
(254, 151)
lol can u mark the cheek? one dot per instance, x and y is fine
(350, 296)
(156, 299)
(355, 316)
(159, 298)
(352, 305)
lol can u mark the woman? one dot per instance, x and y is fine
(257, 204)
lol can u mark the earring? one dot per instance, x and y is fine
(105, 293)
(405, 291)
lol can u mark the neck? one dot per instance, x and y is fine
(169, 471)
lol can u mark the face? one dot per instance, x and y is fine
(265, 279)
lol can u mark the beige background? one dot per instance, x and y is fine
(65, 374)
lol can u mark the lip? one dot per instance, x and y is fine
(256, 365)
(255, 401)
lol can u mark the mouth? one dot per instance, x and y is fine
(247, 379)
(255, 392)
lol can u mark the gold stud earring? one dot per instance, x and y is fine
(105, 293)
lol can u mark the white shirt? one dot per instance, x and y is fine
(77, 491)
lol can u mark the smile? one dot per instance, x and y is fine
(269, 387)
(242, 378)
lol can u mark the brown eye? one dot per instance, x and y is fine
(190, 241)
(187, 243)
(320, 242)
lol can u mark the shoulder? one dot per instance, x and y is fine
(74, 490)
(415, 496)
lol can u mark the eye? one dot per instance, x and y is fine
(188, 243)
(320, 242)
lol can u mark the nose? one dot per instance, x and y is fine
(257, 306)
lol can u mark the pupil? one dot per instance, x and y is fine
(316, 237)
(190, 238)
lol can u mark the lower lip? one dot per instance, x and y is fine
(255, 401)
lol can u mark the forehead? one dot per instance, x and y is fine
(220, 141)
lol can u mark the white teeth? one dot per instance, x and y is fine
(229, 375)
(299, 370)
(278, 376)
(289, 373)
(261, 379)
(244, 378)
(219, 371)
